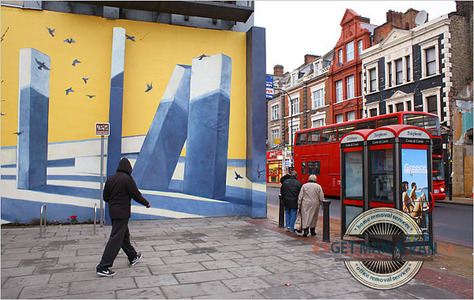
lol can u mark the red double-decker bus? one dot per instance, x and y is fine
(316, 150)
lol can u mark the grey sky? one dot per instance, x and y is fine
(296, 28)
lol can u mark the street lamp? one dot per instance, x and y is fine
(291, 119)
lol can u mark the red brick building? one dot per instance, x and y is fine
(345, 73)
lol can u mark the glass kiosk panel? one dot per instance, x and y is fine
(381, 181)
(415, 195)
(353, 188)
(353, 175)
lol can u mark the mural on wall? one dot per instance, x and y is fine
(171, 110)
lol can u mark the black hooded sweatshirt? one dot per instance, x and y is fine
(119, 189)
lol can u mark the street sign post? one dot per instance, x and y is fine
(102, 129)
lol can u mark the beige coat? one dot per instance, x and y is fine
(309, 201)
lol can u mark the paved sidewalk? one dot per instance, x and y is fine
(229, 257)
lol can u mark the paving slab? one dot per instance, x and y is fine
(213, 258)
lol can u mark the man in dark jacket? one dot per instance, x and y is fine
(118, 191)
(290, 189)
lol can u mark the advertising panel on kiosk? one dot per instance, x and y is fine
(400, 174)
(353, 176)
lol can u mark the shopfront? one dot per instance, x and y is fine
(274, 166)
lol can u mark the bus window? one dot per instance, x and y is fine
(366, 125)
(344, 129)
(314, 136)
(301, 139)
(329, 134)
(437, 146)
(381, 184)
(303, 167)
(430, 123)
(387, 121)
(314, 167)
(438, 170)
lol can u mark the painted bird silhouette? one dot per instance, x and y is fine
(76, 61)
(18, 133)
(41, 65)
(69, 90)
(90, 96)
(237, 176)
(130, 37)
(85, 79)
(149, 87)
(69, 41)
(259, 172)
(202, 56)
(51, 31)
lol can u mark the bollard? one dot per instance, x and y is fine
(281, 217)
(326, 222)
(42, 217)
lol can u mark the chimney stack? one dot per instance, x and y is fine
(309, 58)
(278, 70)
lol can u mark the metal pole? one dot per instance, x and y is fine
(101, 212)
(326, 237)
(290, 138)
(282, 213)
(95, 215)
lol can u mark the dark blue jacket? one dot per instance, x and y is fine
(290, 189)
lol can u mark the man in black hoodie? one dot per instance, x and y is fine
(118, 191)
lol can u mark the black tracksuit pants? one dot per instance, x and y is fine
(119, 238)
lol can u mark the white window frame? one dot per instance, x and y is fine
(405, 70)
(403, 78)
(436, 91)
(294, 99)
(294, 78)
(295, 126)
(350, 51)
(368, 67)
(272, 133)
(316, 66)
(339, 55)
(340, 116)
(360, 46)
(350, 86)
(315, 89)
(399, 97)
(275, 113)
(370, 106)
(318, 116)
(339, 91)
(424, 46)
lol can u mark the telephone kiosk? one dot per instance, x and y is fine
(390, 166)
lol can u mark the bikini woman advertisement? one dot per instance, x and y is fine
(415, 184)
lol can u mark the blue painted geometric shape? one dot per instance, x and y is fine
(208, 127)
(256, 126)
(32, 147)
(114, 141)
(164, 141)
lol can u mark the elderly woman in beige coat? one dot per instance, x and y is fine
(309, 201)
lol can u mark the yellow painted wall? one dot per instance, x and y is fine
(150, 59)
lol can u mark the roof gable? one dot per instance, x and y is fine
(394, 35)
(349, 15)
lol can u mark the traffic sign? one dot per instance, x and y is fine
(102, 129)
